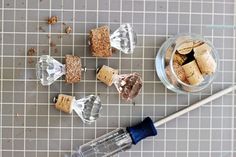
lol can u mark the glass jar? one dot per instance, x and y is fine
(181, 66)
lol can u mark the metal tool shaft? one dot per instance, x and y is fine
(194, 106)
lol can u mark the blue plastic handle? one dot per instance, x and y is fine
(142, 130)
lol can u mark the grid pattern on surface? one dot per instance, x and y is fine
(31, 126)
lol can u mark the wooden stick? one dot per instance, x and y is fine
(194, 106)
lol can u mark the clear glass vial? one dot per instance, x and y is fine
(166, 58)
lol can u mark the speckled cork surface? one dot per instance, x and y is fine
(30, 124)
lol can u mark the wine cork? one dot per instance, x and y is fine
(179, 71)
(184, 45)
(202, 49)
(100, 45)
(193, 73)
(169, 52)
(178, 58)
(197, 43)
(206, 63)
(73, 69)
(170, 76)
(105, 74)
(64, 103)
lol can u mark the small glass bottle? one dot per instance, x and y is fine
(87, 108)
(49, 70)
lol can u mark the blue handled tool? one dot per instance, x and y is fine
(123, 139)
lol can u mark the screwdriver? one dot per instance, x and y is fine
(122, 139)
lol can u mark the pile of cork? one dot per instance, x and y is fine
(192, 61)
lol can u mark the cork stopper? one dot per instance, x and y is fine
(64, 103)
(178, 58)
(105, 74)
(73, 69)
(193, 73)
(201, 49)
(184, 45)
(197, 43)
(169, 52)
(179, 71)
(100, 44)
(206, 63)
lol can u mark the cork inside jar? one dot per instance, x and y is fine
(171, 65)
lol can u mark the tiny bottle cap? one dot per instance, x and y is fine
(142, 130)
